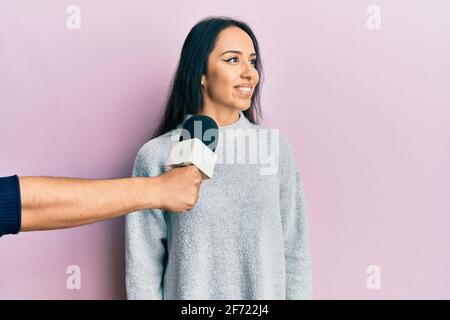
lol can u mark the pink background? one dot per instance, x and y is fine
(367, 112)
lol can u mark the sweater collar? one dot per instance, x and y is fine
(241, 123)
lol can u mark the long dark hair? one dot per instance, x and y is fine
(185, 96)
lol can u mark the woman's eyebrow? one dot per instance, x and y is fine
(236, 51)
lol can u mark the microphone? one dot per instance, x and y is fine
(198, 140)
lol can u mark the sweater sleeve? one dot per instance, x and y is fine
(295, 228)
(145, 242)
(10, 205)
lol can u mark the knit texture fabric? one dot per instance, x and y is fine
(10, 206)
(246, 238)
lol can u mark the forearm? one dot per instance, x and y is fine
(54, 203)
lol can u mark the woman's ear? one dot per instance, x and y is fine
(203, 81)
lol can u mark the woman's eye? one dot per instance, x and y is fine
(234, 58)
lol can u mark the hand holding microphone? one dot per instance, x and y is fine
(179, 189)
(191, 160)
(46, 203)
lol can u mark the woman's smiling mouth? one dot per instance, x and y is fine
(245, 91)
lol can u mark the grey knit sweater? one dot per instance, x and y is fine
(246, 238)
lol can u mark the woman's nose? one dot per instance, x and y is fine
(247, 72)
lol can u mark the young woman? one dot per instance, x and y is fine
(247, 237)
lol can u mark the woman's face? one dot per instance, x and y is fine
(231, 74)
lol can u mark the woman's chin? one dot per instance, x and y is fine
(242, 107)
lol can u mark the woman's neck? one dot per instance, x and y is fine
(223, 117)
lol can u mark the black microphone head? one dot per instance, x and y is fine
(203, 128)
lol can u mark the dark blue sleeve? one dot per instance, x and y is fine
(10, 205)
